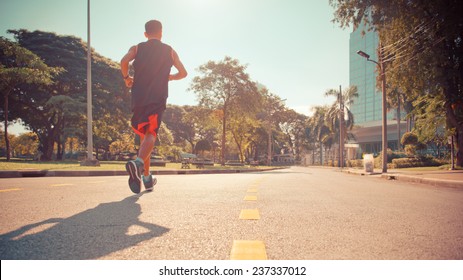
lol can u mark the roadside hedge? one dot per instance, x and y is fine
(415, 162)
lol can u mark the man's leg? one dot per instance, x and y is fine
(146, 147)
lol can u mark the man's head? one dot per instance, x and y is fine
(153, 29)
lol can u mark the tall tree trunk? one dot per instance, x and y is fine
(7, 141)
(452, 119)
(459, 145)
(48, 148)
(224, 125)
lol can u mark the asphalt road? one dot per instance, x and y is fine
(297, 213)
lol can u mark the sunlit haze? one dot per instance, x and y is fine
(291, 47)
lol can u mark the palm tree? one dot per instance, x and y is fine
(337, 114)
(319, 127)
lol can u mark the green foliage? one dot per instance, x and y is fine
(25, 144)
(19, 66)
(125, 144)
(415, 162)
(421, 45)
(56, 111)
(411, 143)
(225, 86)
(391, 155)
(356, 163)
(409, 138)
(203, 145)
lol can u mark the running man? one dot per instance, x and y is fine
(152, 62)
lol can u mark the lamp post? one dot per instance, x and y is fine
(90, 161)
(384, 110)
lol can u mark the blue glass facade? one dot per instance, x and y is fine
(362, 73)
(367, 107)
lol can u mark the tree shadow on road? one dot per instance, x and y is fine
(90, 234)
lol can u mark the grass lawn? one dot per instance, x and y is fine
(18, 164)
(429, 168)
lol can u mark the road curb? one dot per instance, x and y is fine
(429, 181)
(86, 173)
(409, 178)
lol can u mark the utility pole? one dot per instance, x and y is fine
(341, 129)
(398, 121)
(382, 68)
(383, 101)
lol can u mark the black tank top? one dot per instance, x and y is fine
(152, 66)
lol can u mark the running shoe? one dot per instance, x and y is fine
(150, 182)
(135, 169)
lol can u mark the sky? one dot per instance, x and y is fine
(290, 46)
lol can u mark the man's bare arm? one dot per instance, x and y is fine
(125, 65)
(182, 73)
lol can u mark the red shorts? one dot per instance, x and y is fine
(147, 119)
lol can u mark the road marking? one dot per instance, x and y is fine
(248, 250)
(250, 198)
(249, 214)
(252, 191)
(61, 185)
(10, 190)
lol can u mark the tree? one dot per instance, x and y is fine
(319, 128)
(57, 111)
(26, 144)
(125, 143)
(203, 145)
(224, 86)
(410, 141)
(292, 124)
(19, 66)
(422, 45)
(430, 123)
(335, 116)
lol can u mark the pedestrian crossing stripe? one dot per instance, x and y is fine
(248, 250)
(249, 214)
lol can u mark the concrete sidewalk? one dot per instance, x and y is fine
(443, 178)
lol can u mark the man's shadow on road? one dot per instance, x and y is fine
(91, 234)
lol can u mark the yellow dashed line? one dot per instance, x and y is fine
(248, 250)
(249, 214)
(10, 190)
(252, 191)
(250, 198)
(61, 185)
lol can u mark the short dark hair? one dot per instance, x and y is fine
(153, 27)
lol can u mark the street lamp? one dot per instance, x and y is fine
(384, 111)
(90, 161)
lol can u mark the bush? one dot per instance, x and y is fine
(415, 162)
(409, 138)
(355, 163)
(391, 155)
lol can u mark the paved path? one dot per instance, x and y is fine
(303, 213)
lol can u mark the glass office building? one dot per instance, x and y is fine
(367, 108)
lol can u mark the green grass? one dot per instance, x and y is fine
(430, 168)
(18, 164)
